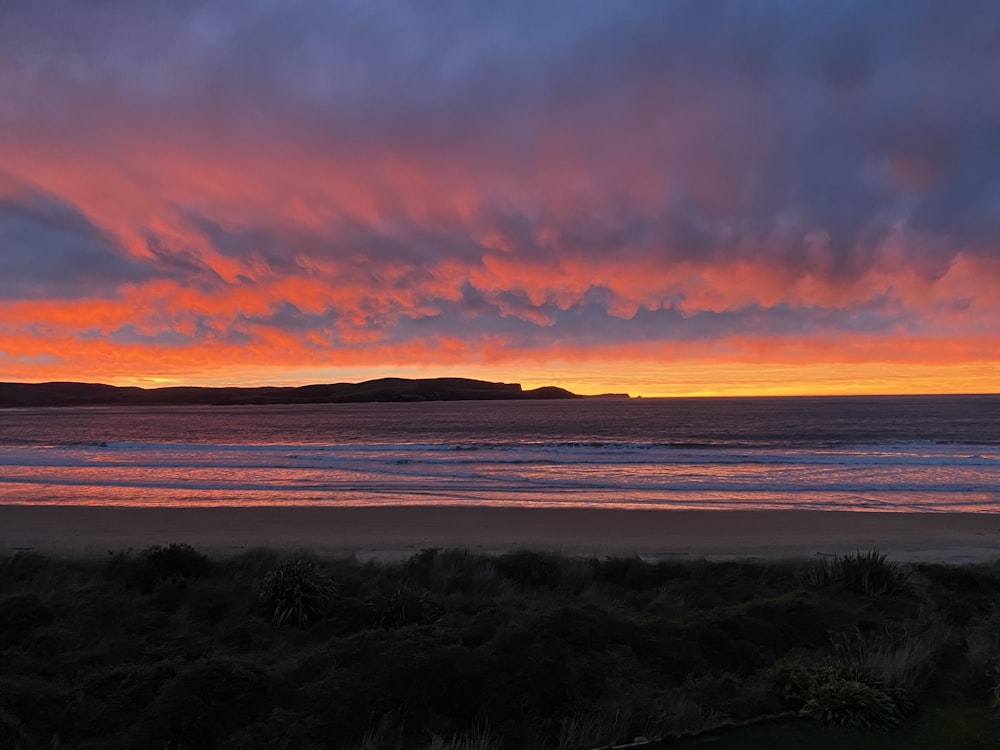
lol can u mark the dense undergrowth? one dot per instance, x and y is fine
(451, 650)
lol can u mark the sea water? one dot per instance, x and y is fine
(924, 453)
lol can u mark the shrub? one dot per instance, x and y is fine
(21, 567)
(204, 704)
(983, 647)
(630, 572)
(28, 702)
(19, 615)
(406, 606)
(868, 573)
(850, 703)
(420, 565)
(897, 661)
(295, 592)
(480, 739)
(527, 568)
(796, 676)
(461, 572)
(158, 563)
(12, 732)
(169, 593)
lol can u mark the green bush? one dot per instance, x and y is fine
(159, 563)
(629, 572)
(21, 567)
(850, 703)
(204, 704)
(963, 593)
(899, 660)
(295, 592)
(12, 732)
(406, 606)
(30, 702)
(868, 573)
(419, 566)
(19, 615)
(527, 568)
(795, 677)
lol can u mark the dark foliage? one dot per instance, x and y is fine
(157, 564)
(21, 614)
(295, 592)
(531, 569)
(865, 573)
(851, 703)
(963, 592)
(204, 703)
(538, 648)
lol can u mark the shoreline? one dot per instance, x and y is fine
(396, 532)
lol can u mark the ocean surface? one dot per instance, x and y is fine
(926, 453)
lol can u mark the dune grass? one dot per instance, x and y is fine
(166, 648)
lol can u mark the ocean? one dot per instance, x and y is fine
(905, 453)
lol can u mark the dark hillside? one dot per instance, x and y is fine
(384, 389)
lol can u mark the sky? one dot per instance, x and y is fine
(686, 197)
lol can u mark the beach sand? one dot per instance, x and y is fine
(394, 532)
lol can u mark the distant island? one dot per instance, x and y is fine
(383, 389)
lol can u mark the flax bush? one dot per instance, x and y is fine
(295, 592)
(850, 703)
(867, 573)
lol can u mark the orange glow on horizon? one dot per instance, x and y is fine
(642, 377)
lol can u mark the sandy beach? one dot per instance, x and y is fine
(396, 532)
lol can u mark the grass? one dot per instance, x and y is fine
(865, 573)
(954, 725)
(451, 650)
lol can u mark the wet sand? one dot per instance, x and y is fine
(393, 532)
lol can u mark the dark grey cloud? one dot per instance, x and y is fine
(49, 249)
(181, 264)
(841, 74)
(513, 320)
(289, 318)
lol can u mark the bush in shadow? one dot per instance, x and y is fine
(629, 572)
(419, 566)
(121, 692)
(962, 592)
(203, 704)
(280, 729)
(899, 661)
(850, 703)
(295, 592)
(868, 573)
(22, 567)
(20, 614)
(35, 704)
(531, 569)
(159, 563)
(982, 645)
(794, 677)
(12, 732)
(755, 634)
(405, 606)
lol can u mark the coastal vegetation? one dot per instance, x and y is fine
(168, 648)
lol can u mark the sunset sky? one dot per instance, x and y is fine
(664, 198)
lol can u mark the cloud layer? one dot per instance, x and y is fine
(189, 188)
